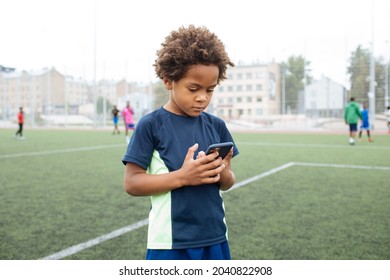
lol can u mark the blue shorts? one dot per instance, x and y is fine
(130, 125)
(353, 127)
(219, 251)
(115, 120)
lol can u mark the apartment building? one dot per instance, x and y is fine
(49, 92)
(250, 93)
(44, 91)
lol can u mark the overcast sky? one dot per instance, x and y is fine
(60, 33)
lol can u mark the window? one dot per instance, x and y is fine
(259, 99)
(249, 87)
(259, 87)
(249, 75)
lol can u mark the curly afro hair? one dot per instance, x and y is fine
(187, 47)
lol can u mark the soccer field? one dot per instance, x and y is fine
(297, 196)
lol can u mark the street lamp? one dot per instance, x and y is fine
(283, 88)
(387, 64)
(371, 93)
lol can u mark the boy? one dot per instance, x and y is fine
(352, 115)
(365, 124)
(187, 218)
(20, 123)
(115, 119)
(128, 119)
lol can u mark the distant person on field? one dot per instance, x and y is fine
(387, 114)
(365, 123)
(352, 115)
(166, 160)
(127, 114)
(115, 119)
(20, 123)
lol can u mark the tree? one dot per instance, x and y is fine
(100, 105)
(160, 94)
(296, 71)
(359, 71)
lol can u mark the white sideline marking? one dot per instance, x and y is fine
(342, 166)
(298, 145)
(82, 246)
(262, 175)
(70, 150)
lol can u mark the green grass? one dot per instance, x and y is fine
(52, 201)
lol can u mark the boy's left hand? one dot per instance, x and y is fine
(227, 178)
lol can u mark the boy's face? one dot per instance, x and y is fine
(191, 95)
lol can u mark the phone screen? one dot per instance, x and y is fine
(222, 148)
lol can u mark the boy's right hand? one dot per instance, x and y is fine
(205, 169)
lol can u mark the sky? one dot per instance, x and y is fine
(115, 39)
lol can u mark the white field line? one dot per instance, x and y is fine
(91, 148)
(312, 164)
(82, 246)
(262, 175)
(70, 150)
(297, 145)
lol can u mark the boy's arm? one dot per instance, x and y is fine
(205, 170)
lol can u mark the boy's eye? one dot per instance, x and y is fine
(193, 90)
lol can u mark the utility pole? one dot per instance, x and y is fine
(387, 64)
(283, 88)
(371, 93)
(94, 71)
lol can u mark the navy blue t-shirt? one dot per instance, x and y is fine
(190, 216)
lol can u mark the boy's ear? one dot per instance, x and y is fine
(168, 83)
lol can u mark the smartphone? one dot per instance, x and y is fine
(222, 148)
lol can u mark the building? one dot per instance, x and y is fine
(41, 92)
(46, 93)
(251, 93)
(324, 99)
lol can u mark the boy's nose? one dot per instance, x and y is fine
(202, 96)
